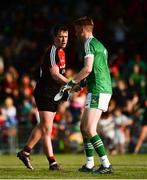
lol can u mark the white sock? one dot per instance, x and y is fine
(90, 162)
(105, 162)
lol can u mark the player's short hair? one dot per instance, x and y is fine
(59, 27)
(84, 21)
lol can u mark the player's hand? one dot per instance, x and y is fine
(65, 88)
(69, 85)
(76, 88)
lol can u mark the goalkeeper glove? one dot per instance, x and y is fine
(70, 85)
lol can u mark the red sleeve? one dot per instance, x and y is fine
(62, 60)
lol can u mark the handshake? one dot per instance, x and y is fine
(70, 86)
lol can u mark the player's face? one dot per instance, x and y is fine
(61, 39)
(80, 32)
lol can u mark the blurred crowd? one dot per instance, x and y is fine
(25, 32)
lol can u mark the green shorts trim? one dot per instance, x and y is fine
(100, 101)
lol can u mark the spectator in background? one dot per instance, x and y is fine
(137, 79)
(137, 60)
(118, 60)
(26, 89)
(76, 105)
(116, 75)
(121, 92)
(107, 132)
(10, 125)
(66, 134)
(143, 132)
(14, 72)
(25, 110)
(121, 122)
(10, 85)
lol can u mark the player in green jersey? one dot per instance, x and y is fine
(99, 87)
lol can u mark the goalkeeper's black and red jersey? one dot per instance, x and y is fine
(46, 83)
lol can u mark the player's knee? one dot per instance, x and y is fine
(84, 130)
(46, 130)
(90, 131)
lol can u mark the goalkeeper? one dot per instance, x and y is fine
(99, 88)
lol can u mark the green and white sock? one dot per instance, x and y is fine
(100, 149)
(89, 150)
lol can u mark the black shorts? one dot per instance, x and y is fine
(44, 99)
(46, 104)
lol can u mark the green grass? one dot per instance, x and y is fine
(125, 167)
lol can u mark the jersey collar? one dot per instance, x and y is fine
(90, 37)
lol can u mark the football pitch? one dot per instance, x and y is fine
(125, 167)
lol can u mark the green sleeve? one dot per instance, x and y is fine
(89, 49)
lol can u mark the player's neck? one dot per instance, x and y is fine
(88, 35)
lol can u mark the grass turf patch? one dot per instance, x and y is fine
(125, 167)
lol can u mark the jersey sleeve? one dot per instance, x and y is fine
(53, 56)
(88, 49)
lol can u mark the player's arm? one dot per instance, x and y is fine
(88, 64)
(86, 70)
(54, 70)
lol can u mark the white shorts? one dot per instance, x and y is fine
(100, 101)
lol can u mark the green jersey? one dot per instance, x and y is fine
(99, 80)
